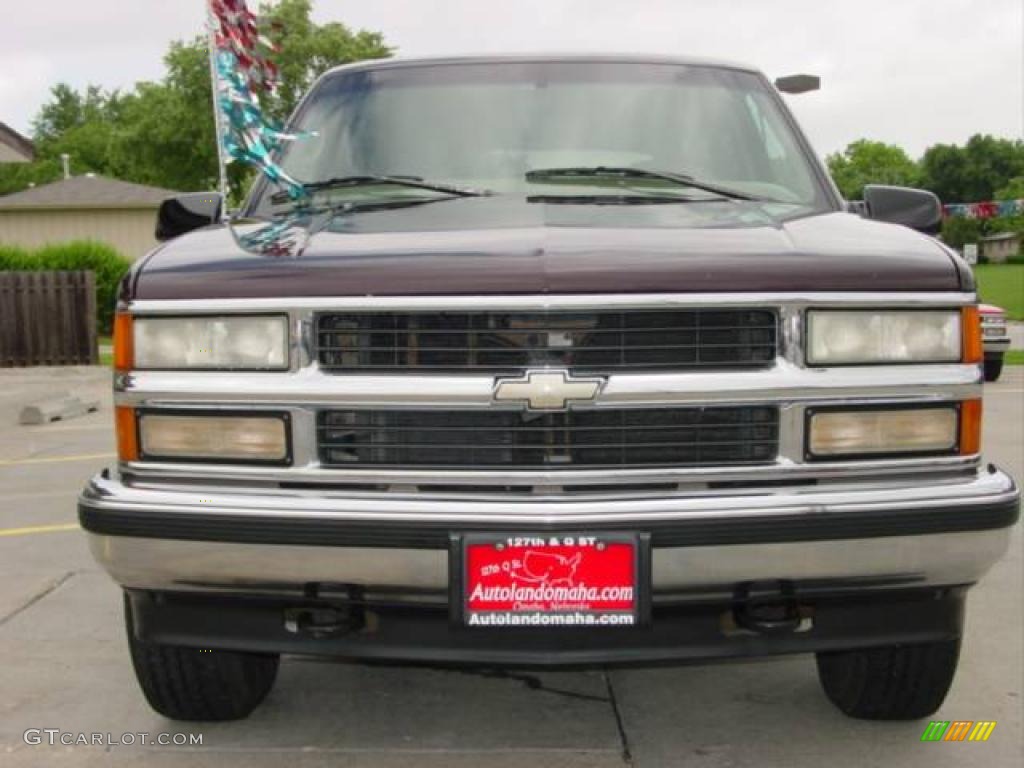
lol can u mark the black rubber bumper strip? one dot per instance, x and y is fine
(753, 529)
(420, 635)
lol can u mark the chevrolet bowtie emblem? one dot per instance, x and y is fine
(547, 390)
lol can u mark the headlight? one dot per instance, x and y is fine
(844, 337)
(882, 432)
(209, 437)
(221, 342)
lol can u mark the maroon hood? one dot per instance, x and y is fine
(493, 246)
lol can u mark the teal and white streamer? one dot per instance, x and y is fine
(249, 135)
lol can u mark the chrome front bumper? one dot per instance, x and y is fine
(828, 538)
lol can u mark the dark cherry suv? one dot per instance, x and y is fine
(548, 361)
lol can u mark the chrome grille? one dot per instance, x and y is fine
(649, 437)
(585, 342)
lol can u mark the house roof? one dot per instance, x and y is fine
(17, 142)
(86, 192)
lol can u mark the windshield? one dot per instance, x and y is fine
(487, 126)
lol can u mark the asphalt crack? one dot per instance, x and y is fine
(532, 682)
(625, 751)
(49, 589)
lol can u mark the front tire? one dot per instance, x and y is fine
(993, 368)
(200, 685)
(905, 682)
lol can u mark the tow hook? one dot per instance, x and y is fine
(767, 607)
(322, 622)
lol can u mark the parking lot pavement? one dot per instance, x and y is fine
(65, 663)
(1016, 332)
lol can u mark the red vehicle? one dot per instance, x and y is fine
(996, 339)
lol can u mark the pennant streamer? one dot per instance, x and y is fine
(284, 238)
(987, 210)
(244, 72)
(288, 234)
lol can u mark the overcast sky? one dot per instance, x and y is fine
(908, 72)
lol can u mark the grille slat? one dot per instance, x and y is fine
(507, 369)
(575, 438)
(645, 428)
(542, 329)
(504, 342)
(517, 351)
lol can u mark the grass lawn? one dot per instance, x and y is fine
(106, 358)
(1014, 357)
(1002, 285)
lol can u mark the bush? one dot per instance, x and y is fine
(108, 265)
(957, 231)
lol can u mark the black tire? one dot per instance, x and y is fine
(893, 683)
(993, 368)
(192, 684)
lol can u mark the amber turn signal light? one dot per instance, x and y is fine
(970, 427)
(970, 322)
(127, 434)
(124, 353)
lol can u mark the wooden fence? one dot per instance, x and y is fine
(48, 318)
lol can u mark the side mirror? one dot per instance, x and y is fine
(915, 208)
(184, 213)
(795, 84)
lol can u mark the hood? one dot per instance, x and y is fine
(505, 246)
(991, 309)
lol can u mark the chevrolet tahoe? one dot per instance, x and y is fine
(554, 361)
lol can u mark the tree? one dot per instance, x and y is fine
(167, 136)
(871, 162)
(309, 50)
(163, 133)
(958, 230)
(974, 172)
(1014, 190)
(80, 125)
(15, 177)
(69, 110)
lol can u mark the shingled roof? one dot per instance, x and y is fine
(86, 192)
(17, 142)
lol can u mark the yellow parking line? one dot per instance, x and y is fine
(38, 529)
(55, 459)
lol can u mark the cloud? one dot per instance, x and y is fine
(913, 72)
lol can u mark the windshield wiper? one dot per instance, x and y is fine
(352, 182)
(604, 171)
(359, 206)
(619, 199)
(368, 206)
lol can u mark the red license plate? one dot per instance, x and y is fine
(564, 580)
